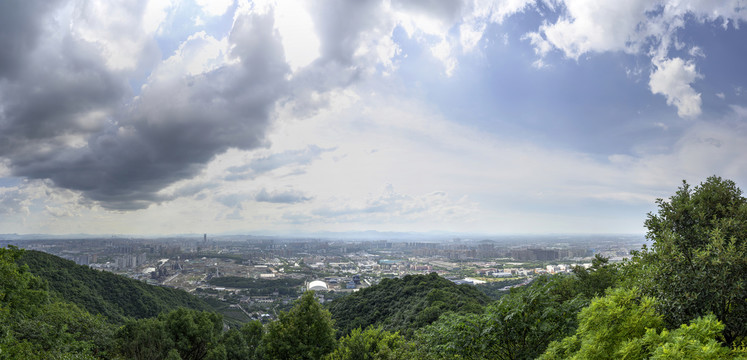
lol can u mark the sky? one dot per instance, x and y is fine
(301, 117)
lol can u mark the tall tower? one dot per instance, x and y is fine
(204, 237)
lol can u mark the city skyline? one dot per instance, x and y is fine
(293, 117)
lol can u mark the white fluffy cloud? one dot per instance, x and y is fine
(672, 78)
(214, 7)
(606, 25)
(598, 26)
(637, 26)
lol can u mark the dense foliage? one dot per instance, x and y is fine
(98, 292)
(698, 260)
(371, 344)
(405, 304)
(191, 334)
(303, 333)
(34, 325)
(623, 325)
(518, 326)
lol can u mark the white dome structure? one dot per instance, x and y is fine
(317, 285)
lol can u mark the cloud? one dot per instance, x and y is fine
(13, 201)
(342, 41)
(233, 200)
(391, 206)
(672, 78)
(21, 25)
(275, 161)
(124, 156)
(215, 7)
(598, 26)
(296, 28)
(432, 23)
(52, 106)
(281, 197)
(77, 122)
(421, 153)
(443, 52)
(470, 35)
(444, 11)
(290, 157)
(696, 51)
(639, 27)
(25, 196)
(631, 26)
(74, 115)
(126, 40)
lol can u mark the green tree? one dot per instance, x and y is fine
(606, 324)
(33, 325)
(145, 339)
(625, 325)
(194, 332)
(519, 326)
(304, 332)
(454, 336)
(595, 280)
(371, 344)
(242, 344)
(114, 296)
(698, 340)
(63, 328)
(190, 334)
(698, 260)
(21, 293)
(523, 324)
(405, 305)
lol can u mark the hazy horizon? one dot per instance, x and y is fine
(363, 235)
(295, 117)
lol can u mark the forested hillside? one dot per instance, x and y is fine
(405, 304)
(98, 292)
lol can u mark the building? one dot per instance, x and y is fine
(317, 285)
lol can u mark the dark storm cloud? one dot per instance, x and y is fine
(167, 134)
(66, 117)
(20, 28)
(53, 99)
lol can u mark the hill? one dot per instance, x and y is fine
(405, 304)
(113, 296)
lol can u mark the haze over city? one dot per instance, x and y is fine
(306, 117)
